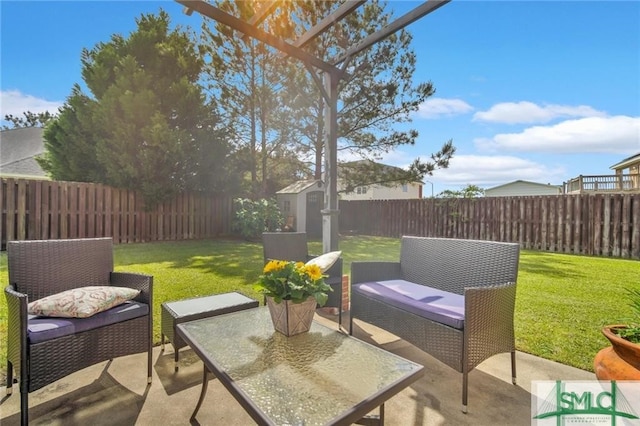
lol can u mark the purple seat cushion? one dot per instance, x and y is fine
(436, 305)
(40, 329)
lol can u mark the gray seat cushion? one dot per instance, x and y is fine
(40, 329)
(436, 305)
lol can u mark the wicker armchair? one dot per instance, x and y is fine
(293, 246)
(483, 272)
(42, 268)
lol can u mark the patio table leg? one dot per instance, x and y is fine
(373, 420)
(203, 392)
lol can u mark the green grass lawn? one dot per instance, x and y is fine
(562, 300)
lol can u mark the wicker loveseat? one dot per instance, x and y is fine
(451, 298)
(41, 349)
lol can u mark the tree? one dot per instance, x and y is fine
(146, 126)
(244, 77)
(273, 106)
(30, 119)
(70, 142)
(469, 191)
(377, 94)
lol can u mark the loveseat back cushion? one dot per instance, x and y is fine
(430, 303)
(450, 264)
(41, 329)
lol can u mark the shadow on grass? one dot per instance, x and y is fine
(550, 265)
(225, 258)
(235, 258)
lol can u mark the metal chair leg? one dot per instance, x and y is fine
(465, 383)
(9, 378)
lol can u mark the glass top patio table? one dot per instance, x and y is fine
(314, 378)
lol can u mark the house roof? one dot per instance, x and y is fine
(297, 187)
(18, 151)
(546, 185)
(626, 162)
(383, 167)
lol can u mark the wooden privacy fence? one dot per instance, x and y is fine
(599, 224)
(39, 209)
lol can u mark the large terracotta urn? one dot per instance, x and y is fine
(620, 361)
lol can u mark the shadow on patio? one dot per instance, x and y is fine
(115, 393)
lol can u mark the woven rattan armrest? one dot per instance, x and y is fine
(16, 331)
(141, 282)
(489, 321)
(362, 272)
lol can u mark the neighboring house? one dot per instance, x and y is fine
(621, 182)
(632, 166)
(18, 151)
(301, 203)
(523, 188)
(405, 191)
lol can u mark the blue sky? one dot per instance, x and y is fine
(541, 91)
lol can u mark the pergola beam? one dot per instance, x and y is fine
(217, 14)
(345, 9)
(266, 9)
(406, 19)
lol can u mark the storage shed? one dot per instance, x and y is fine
(302, 203)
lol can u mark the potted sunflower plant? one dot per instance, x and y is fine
(621, 361)
(292, 291)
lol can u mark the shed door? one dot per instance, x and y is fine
(315, 203)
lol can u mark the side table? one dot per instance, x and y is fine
(177, 312)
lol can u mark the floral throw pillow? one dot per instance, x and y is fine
(81, 302)
(326, 260)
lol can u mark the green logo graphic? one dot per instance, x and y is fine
(587, 403)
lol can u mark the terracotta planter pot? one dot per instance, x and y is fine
(292, 318)
(620, 361)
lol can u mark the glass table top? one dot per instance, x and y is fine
(313, 378)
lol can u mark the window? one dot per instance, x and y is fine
(405, 187)
(361, 190)
(286, 205)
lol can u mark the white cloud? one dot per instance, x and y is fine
(488, 171)
(528, 112)
(619, 134)
(15, 103)
(439, 107)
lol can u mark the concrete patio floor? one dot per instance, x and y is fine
(116, 393)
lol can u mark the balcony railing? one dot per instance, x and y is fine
(603, 183)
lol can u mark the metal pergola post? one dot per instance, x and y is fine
(330, 219)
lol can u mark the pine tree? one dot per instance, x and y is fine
(273, 105)
(146, 125)
(30, 119)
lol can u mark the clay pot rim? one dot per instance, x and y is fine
(609, 334)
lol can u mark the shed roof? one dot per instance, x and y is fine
(297, 187)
